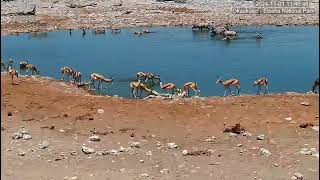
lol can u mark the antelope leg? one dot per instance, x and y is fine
(266, 90)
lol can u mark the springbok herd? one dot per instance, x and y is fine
(142, 79)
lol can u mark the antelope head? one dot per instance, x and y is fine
(219, 80)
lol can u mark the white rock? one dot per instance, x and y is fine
(239, 145)
(233, 134)
(315, 128)
(87, 150)
(149, 153)
(171, 145)
(100, 111)
(61, 130)
(135, 144)
(122, 149)
(144, 175)
(298, 175)
(305, 103)
(21, 153)
(260, 137)
(43, 144)
(113, 152)
(185, 152)
(141, 161)
(246, 134)
(122, 170)
(158, 144)
(164, 171)
(26, 137)
(288, 118)
(94, 138)
(265, 152)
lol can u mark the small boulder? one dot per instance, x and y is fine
(298, 176)
(135, 144)
(305, 103)
(260, 137)
(100, 111)
(265, 152)
(43, 144)
(185, 152)
(171, 145)
(94, 138)
(87, 150)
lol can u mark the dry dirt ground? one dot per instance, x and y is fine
(37, 104)
(74, 14)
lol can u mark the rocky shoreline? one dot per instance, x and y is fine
(17, 16)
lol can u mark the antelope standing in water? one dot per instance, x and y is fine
(228, 83)
(167, 86)
(193, 86)
(33, 69)
(263, 81)
(12, 73)
(315, 85)
(100, 78)
(146, 76)
(135, 86)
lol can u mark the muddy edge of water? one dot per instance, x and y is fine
(136, 13)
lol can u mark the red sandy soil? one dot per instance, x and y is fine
(36, 102)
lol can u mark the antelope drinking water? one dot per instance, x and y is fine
(263, 81)
(193, 86)
(135, 86)
(33, 69)
(167, 86)
(228, 83)
(100, 78)
(315, 85)
(146, 76)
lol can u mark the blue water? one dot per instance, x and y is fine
(288, 56)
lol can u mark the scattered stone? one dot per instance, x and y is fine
(209, 139)
(122, 149)
(247, 134)
(21, 153)
(121, 170)
(315, 128)
(215, 163)
(235, 129)
(158, 144)
(141, 161)
(305, 125)
(90, 118)
(73, 153)
(100, 111)
(87, 150)
(9, 114)
(132, 134)
(185, 152)
(305, 103)
(276, 165)
(239, 145)
(43, 144)
(288, 118)
(99, 153)
(113, 152)
(26, 137)
(297, 176)
(144, 175)
(136, 144)
(149, 153)
(265, 152)
(61, 130)
(94, 138)
(260, 137)
(233, 134)
(22, 134)
(164, 171)
(70, 178)
(171, 145)
(51, 127)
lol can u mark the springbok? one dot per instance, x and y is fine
(100, 78)
(315, 85)
(115, 30)
(200, 27)
(146, 76)
(99, 31)
(32, 68)
(135, 86)
(228, 83)
(167, 86)
(3, 65)
(258, 35)
(263, 81)
(23, 65)
(66, 71)
(10, 63)
(76, 76)
(13, 73)
(193, 86)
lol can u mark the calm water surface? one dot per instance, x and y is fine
(288, 56)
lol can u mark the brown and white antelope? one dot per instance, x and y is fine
(263, 81)
(10, 64)
(146, 76)
(167, 86)
(191, 85)
(99, 78)
(315, 85)
(3, 65)
(136, 86)
(228, 83)
(23, 65)
(12, 73)
(32, 68)
(66, 71)
(76, 76)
